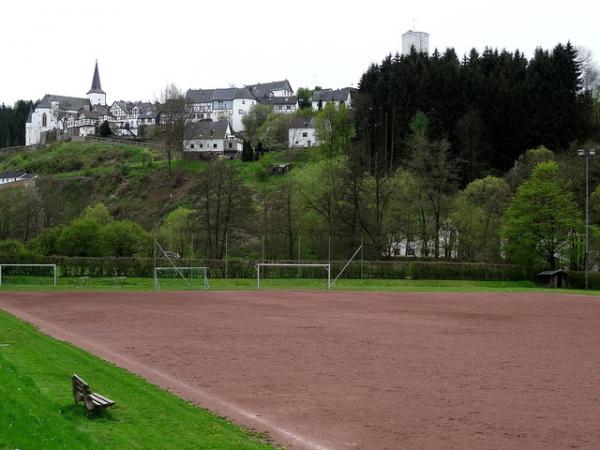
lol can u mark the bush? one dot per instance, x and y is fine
(82, 237)
(126, 238)
(12, 248)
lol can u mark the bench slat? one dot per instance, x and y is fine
(96, 398)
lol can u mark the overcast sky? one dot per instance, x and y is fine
(51, 46)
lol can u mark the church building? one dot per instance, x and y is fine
(66, 115)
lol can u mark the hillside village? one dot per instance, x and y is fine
(213, 117)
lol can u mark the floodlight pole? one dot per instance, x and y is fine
(587, 153)
(226, 260)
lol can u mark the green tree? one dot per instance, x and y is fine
(273, 133)
(477, 214)
(436, 171)
(98, 212)
(82, 237)
(525, 164)
(13, 248)
(47, 242)
(176, 231)
(334, 129)
(126, 238)
(254, 120)
(542, 220)
(304, 97)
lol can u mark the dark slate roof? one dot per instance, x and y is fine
(328, 95)
(66, 103)
(200, 95)
(101, 110)
(12, 174)
(89, 114)
(243, 93)
(271, 86)
(272, 100)
(125, 106)
(302, 122)
(207, 129)
(223, 94)
(149, 112)
(96, 87)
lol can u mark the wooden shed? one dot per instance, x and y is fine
(556, 278)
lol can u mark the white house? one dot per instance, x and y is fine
(338, 97)
(301, 133)
(12, 176)
(230, 104)
(207, 140)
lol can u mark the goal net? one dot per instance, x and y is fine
(180, 278)
(291, 270)
(28, 274)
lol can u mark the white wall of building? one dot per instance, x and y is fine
(203, 145)
(241, 106)
(97, 99)
(302, 138)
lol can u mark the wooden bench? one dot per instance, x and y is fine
(92, 401)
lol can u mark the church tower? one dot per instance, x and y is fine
(96, 95)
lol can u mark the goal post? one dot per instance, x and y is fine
(28, 271)
(260, 266)
(188, 274)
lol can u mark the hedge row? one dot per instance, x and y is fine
(243, 268)
(576, 280)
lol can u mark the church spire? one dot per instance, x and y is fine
(96, 87)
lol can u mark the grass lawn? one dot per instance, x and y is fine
(37, 410)
(41, 283)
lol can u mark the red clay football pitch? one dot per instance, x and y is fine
(350, 370)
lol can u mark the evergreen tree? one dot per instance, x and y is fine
(247, 151)
(104, 129)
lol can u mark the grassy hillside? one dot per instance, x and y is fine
(132, 181)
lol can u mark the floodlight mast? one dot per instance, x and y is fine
(587, 153)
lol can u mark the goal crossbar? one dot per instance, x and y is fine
(179, 270)
(258, 266)
(53, 266)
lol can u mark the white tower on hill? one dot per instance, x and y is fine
(417, 39)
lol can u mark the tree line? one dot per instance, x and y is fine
(12, 123)
(489, 107)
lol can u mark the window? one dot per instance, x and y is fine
(241, 112)
(304, 134)
(243, 102)
(215, 145)
(44, 120)
(192, 145)
(201, 145)
(231, 145)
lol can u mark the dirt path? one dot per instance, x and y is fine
(356, 370)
